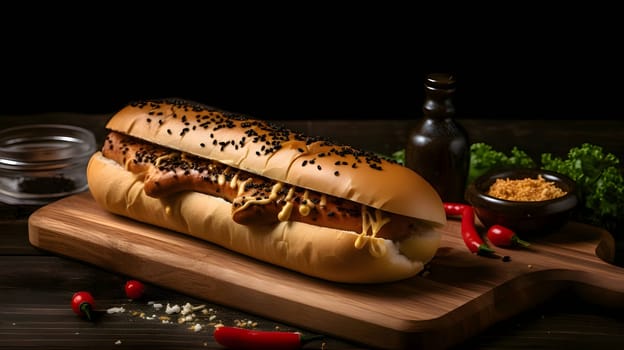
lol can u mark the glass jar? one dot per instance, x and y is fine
(43, 162)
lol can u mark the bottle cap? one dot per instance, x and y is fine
(440, 81)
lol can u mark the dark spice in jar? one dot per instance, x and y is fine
(46, 185)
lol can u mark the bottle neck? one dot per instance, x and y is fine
(439, 91)
(438, 104)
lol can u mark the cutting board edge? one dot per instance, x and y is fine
(401, 333)
(392, 337)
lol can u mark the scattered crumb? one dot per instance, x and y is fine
(114, 310)
(195, 318)
(118, 342)
(172, 309)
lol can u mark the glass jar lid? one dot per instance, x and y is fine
(42, 145)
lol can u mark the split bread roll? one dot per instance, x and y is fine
(309, 205)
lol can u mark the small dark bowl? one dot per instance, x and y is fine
(526, 217)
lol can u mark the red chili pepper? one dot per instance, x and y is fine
(454, 209)
(504, 237)
(470, 235)
(83, 304)
(243, 338)
(134, 289)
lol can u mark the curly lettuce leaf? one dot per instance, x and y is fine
(484, 157)
(599, 180)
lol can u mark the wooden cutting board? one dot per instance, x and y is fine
(459, 295)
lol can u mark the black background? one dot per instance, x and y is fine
(311, 62)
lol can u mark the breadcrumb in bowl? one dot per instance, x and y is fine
(528, 201)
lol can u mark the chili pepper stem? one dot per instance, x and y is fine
(304, 339)
(86, 308)
(485, 250)
(520, 242)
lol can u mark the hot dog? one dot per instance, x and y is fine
(303, 203)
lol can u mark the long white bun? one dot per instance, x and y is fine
(316, 251)
(279, 154)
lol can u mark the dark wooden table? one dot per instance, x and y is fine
(36, 286)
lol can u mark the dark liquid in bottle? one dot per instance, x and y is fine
(438, 147)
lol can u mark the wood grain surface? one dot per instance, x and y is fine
(457, 296)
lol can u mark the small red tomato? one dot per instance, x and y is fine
(454, 209)
(83, 304)
(502, 236)
(134, 289)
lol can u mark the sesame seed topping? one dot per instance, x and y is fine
(264, 138)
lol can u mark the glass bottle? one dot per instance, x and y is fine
(438, 147)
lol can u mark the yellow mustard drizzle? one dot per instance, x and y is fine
(221, 178)
(376, 246)
(284, 214)
(234, 181)
(306, 204)
(323, 201)
(166, 156)
(241, 186)
(273, 196)
(185, 157)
